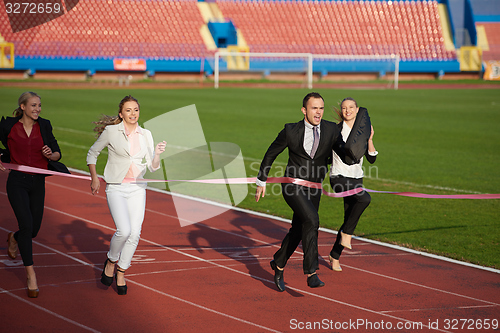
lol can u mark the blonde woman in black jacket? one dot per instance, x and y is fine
(345, 177)
(28, 141)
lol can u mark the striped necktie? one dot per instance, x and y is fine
(315, 142)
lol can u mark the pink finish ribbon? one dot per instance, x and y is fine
(440, 196)
(271, 180)
(29, 169)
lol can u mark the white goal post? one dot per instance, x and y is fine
(309, 58)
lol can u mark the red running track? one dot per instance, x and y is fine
(215, 277)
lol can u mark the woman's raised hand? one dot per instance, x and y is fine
(160, 147)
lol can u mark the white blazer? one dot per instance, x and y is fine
(119, 158)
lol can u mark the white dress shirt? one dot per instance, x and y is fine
(340, 168)
(309, 136)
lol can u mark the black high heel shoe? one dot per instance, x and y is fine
(106, 280)
(122, 290)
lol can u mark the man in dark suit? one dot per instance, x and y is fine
(310, 143)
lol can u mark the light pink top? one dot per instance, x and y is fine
(135, 148)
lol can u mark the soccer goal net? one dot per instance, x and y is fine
(308, 63)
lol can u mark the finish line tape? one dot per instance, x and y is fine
(270, 180)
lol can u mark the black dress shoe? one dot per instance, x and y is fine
(106, 280)
(278, 276)
(313, 281)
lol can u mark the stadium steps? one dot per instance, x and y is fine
(207, 38)
(482, 38)
(211, 13)
(410, 29)
(446, 26)
(6, 54)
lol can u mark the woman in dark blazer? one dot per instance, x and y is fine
(28, 141)
(345, 177)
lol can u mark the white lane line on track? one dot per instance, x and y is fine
(20, 265)
(328, 231)
(366, 240)
(421, 285)
(256, 277)
(47, 310)
(369, 272)
(205, 308)
(140, 284)
(226, 267)
(439, 309)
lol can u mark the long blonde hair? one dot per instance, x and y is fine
(106, 120)
(23, 100)
(338, 111)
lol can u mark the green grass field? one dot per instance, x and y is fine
(431, 141)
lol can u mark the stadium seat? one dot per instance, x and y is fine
(115, 28)
(492, 30)
(170, 28)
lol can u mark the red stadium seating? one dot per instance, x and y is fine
(170, 28)
(115, 28)
(492, 30)
(410, 29)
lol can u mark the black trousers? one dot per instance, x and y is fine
(354, 206)
(26, 195)
(304, 202)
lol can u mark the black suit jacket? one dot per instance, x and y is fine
(6, 125)
(300, 164)
(371, 159)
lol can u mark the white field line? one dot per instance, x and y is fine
(434, 187)
(65, 129)
(86, 148)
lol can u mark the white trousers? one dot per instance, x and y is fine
(127, 204)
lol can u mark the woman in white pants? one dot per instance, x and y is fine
(128, 145)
